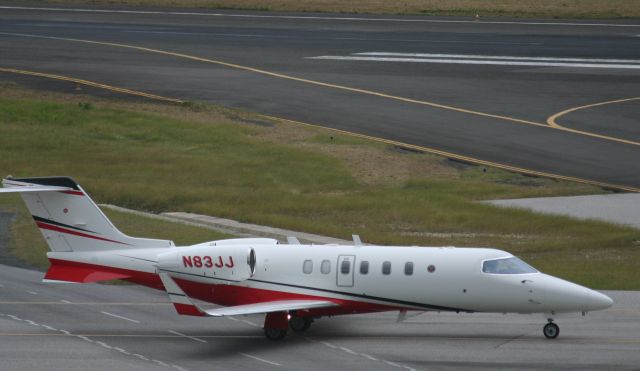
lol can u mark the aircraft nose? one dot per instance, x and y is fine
(598, 301)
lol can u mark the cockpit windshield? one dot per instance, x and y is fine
(510, 265)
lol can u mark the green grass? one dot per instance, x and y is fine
(502, 8)
(205, 162)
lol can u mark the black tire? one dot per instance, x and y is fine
(300, 324)
(275, 333)
(551, 330)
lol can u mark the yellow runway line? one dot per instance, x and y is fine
(330, 85)
(382, 140)
(91, 83)
(552, 120)
(465, 158)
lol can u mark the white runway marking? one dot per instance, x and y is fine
(160, 363)
(357, 354)
(32, 292)
(65, 301)
(487, 60)
(187, 336)
(328, 18)
(252, 324)
(259, 359)
(100, 343)
(121, 317)
(500, 57)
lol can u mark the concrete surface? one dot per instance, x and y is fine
(613, 208)
(233, 226)
(107, 327)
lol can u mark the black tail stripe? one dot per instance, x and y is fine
(52, 222)
(58, 181)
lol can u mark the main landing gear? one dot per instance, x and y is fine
(551, 330)
(276, 324)
(300, 324)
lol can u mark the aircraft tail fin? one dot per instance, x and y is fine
(68, 219)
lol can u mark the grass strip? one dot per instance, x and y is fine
(209, 160)
(566, 9)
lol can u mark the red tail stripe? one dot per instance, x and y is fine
(75, 233)
(77, 193)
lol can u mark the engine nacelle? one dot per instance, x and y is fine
(225, 262)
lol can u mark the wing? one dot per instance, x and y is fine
(185, 306)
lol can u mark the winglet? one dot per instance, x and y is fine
(180, 300)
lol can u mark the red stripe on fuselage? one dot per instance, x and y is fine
(187, 310)
(75, 233)
(229, 295)
(139, 277)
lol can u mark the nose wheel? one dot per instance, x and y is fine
(551, 330)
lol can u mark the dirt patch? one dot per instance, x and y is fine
(384, 167)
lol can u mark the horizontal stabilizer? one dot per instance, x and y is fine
(34, 188)
(185, 306)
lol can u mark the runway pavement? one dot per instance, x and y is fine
(106, 327)
(560, 97)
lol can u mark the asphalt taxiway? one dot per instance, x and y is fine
(558, 97)
(546, 115)
(107, 327)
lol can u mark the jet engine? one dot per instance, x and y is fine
(228, 262)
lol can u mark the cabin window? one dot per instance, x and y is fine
(510, 265)
(364, 267)
(386, 268)
(408, 268)
(307, 266)
(345, 267)
(325, 267)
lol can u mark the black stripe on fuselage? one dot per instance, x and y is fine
(52, 222)
(362, 296)
(136, 258)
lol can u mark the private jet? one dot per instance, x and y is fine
(293, 283)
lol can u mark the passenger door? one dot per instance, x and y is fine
(346, 265)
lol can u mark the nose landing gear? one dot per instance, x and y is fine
(551, 330)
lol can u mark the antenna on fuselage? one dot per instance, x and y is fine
(293, 240)
(356, 240)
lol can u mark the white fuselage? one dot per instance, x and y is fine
(441, 278)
